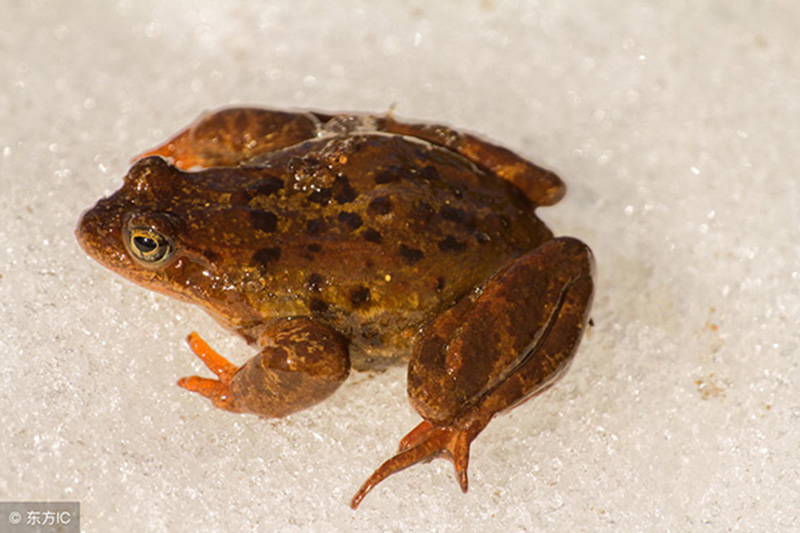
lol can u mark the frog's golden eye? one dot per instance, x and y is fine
(149, 246)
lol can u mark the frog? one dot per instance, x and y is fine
(334, 242)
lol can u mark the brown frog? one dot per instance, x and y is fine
(339, 241)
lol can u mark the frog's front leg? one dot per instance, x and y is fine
(493, 350)
(301, 364)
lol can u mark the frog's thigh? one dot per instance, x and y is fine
(492, 351)
(302, 363)
(542, 187)
(235, 135)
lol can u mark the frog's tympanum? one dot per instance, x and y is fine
(339, 241)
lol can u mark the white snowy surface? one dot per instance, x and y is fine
(677, 128)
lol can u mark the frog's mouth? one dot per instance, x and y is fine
(98, 233)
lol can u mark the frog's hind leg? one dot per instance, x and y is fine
(234, 136)
(492, 351)
(302, 363)
(540, 186)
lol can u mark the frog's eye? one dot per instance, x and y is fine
(149, 246)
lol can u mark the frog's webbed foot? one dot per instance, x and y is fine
(301, 364)
(424, 443)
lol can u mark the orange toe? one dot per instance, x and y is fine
(423, 442)
(216, 390)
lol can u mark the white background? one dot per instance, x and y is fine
(676, 127)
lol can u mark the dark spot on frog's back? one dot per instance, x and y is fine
(315, 226)
(351, 220)
(343, 193)
(388, 175)
(264, 220)
(373, 235)
(451, 244)
(382, 205)
(412, 255)
(360, 296)
(315, 282)
(459, 216)
(269, 186)
(266, 256)
(451, 213)
(421, 213)
(321, 197)
(430, 173)
(318, 307)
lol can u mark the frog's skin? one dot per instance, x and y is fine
(332, 241)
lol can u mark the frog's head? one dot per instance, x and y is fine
(170, 231)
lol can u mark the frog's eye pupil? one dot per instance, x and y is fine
(145, 245)
(149, 246)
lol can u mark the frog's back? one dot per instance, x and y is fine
(382, 233)
(370, 233)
